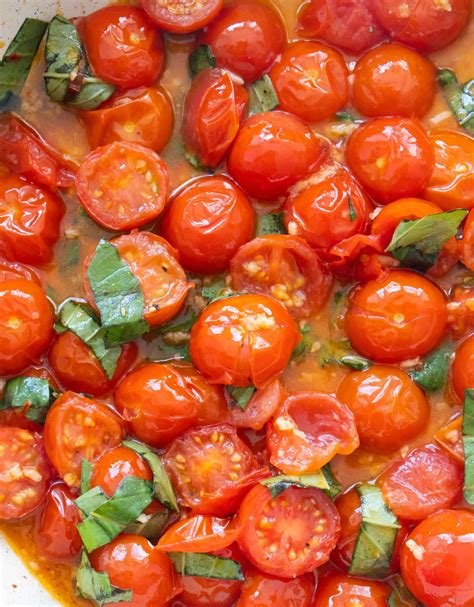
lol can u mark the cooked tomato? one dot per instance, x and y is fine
(199, 533)
(467, 245)
(449, 437)
(260, 590)
(462, 370)
(437, 560)
(78, 428)
(245, 38)
(56, 533)
(123, 46)
(181, 16)
(360, 257)
(10, 270)
(122, 185)
(291, 534)
(207, 222)
(440, 487)
(390, 410)
(399, 317)
(214, 110)
(391, 157)
(339, 590)
(29, 221)
(461, 311)
(243, 340)
(212, 469)
(144, 116)
(273, 151)
(260, 408)
(115, 464)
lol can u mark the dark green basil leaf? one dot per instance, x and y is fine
(323, 479)
(271, 223)
(240, 397)
(93, 93)
(86, 471)
(468, 442)
(202, 58)
(150, 526)
(95, 586)
(433, 373)
(206, 566)
(32, 393)
(460, 98)
(304, 346)
(264, 96)
(213, 290)
(340, 353)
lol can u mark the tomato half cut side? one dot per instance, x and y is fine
(181, 16)
(199, 533)
(260, 408)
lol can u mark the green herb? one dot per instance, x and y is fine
(271, 223)
(93, 93)
(417, 243)
(338, 353)
(169, 353)
(323, 480)
(72, 254)
(150, 526)
(195, 162)
(202, 58)
(460, 98)
(206, 566)
(86, 471)
(95, 586)
(434, 371)
(352, 211)
(339, 306)
(264, 94)
(345, 117)
(400, 595)
(183, 326)
(334, 485)
(33, 394)
(468, 442)
(214, 290)
(91, 500)
(240, 397)
(304, 346)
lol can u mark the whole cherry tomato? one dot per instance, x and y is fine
(462, 370)
(339, 590)
(115, 464)
(181, 16)
(199, 533)
(260, 590)
(10, 270)
(467, 252)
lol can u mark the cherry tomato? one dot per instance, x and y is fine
(122, 185)
(462, 370)
(390, 410)
(199, 533)
(144, 116)
(411, 499)
(282, 538)
(393, 80)
(310, 80)
(123, 46)
(56, 533)
(207, 222)
(246, 38)
(461, 311)
(452, 183)
(26, 324)
(132, 564)
(260, 408)
(78, 428)
(10, 270)
(243, 340)
(214, 110)
(467, 246)
(339, 590)
(428, 25)
(273, 151)
(115, 464)
(399, 317)
(29, 221)
(437, 560)
(260, 590)
(181, 16)
(212, 469)
(449, 437)
(78, 369)
(349, 24)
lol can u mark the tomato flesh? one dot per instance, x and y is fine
(181, 16)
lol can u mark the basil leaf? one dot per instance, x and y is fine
(359, 363)
(206, 566)
(271, 223)
(400, 595)
(304, 346)
(240, 397)
(95, 586)
(338, 353)
(264, 95)
(201, 58)
(334, 485)
(468, 442)
(460, 98)
(150, 526)
(117, 294)
(86, 471)
(33, 393)
(183, 326)
(214, 289)
(91, 500)
(433, 374)
(345, 117)
(417, 243)
(323, 479)
(93, 93)
(352, 211)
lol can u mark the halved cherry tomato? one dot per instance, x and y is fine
(26, 324)
(78, 428)
(123, 46)
(214, 110)
(56, 533)
(392, 80)
(462, 370)
(284, 267)
(308, 430)
(467, 250)
(339, 590)
(273, 151)
(212, 469)
(246, 38)
(199, 533)
(115, 464)
(428, 25)
(390, 410)
(291, 534)
(10, 270)
(260, 408)
(260, 590)
(437, 560)
(243, 340)
(122, 185)
(449, 437)
(181, 16)
(144, 116)
(399, 317)
(349, 24)
(391, 157)
(24, 472)
(425, 481)
(310, 80)
(461, 311)
(207, 222)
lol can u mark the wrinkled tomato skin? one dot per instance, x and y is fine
(115, 464)
(260, 590)
(192, 16)
(339, 590)
(260, 408)
(462, 370)
(10, 270)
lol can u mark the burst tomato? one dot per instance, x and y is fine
(260, 408)
(181, 16)
(199, 533)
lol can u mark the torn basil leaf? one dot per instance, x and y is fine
(86, 471)
(460, 98)
(206, 566)
(334, 485)
(468, 442)
(304, 346)
(400, 595)
(95, 586)
(33, 394)
(202, 58)
(433, 373)
(240, 397)
(323, 479)
(264, 97)
(213, 290)
(339, 353)
(271, 223)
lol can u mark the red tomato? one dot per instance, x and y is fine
(467, 247)
(393, 80)
(181, 16)
(399, 317)
(390, 410)
(339, 590)
(24, 472)
(122, 185)
(29, 221)
(428, 25)
(284, 267)
(12, 271)
(308, 430)
(391, 157)
(437, 560)
(272, 152)
(243, 340)
(123, 46)
(78, 369)
(360, 257)
(26, 324)
(212, 469)
(282, 538)
(462, 370)
(199, 533)
(461, 311)
(449, 437)
(260, 590)
(144, 116)
(246, 38)
(411, 499)
(349, 24)
(115, 464)
(310, 80)
(56, 533)
(207, 222)
(214, 110)
(260, 408)
(78, 428)
(132, 564)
